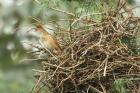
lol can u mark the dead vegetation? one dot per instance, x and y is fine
(95, 56)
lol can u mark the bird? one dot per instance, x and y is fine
(48, 41)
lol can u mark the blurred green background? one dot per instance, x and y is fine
(15, 76)
(15, 20)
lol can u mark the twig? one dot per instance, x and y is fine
(105, 61)
(86, 16)
(56, 9)
(39, 71)
(130, 9)
(95, 89)
(63, 68)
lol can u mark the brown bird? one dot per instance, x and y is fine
(47, 40)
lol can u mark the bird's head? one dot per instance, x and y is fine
(39, 28)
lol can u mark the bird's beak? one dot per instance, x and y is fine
(31, 29)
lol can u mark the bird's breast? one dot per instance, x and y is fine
(46, 43)
(50, 43)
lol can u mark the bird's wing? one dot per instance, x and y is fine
(53, 41)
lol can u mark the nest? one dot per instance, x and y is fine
(95, 56)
